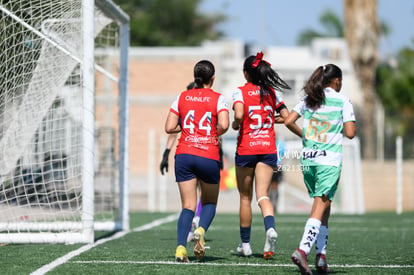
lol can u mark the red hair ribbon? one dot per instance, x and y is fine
(259, 57)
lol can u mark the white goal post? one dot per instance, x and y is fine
(63, 120)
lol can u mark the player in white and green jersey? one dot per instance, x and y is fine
(327, 116)
(322, 129)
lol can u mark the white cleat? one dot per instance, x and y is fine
(244, 249)
(270, 244)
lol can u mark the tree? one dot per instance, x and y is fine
(333, 27)
(395, 87)
(362, 34)
(169, 23)
(332, 24)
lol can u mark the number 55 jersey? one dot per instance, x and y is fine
(198, 110)
(322, 129)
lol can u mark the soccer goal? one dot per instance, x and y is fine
(63, 120)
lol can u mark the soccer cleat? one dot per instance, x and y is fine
(199, 243)
(270, 244)
(244, 249)
(321, 264)
(181, 254)
(300, 259)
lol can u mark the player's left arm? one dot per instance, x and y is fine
(349, 129)
(281, 109)
(283, 114)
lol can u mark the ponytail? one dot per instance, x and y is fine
(318, 81)
(262, 74)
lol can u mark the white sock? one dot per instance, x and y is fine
(309, 235)
(322, 240)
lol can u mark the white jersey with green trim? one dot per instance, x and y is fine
(322, 129)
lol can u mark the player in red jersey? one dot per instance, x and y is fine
(204, 117)
(164, 167)
(255, 105)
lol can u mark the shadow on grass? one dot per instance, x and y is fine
(206, 259)
(104, 234)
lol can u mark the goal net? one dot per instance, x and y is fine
(63, 120)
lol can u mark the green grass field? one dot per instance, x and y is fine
(380, 243)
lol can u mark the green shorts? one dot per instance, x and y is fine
(321, 180)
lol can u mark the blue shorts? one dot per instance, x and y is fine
(252, 160)
(188, 167)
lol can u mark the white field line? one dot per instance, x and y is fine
(336, 229)
(239, 264)
(59, 261)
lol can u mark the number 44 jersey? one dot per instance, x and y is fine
(198, 110)
(322, 129)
